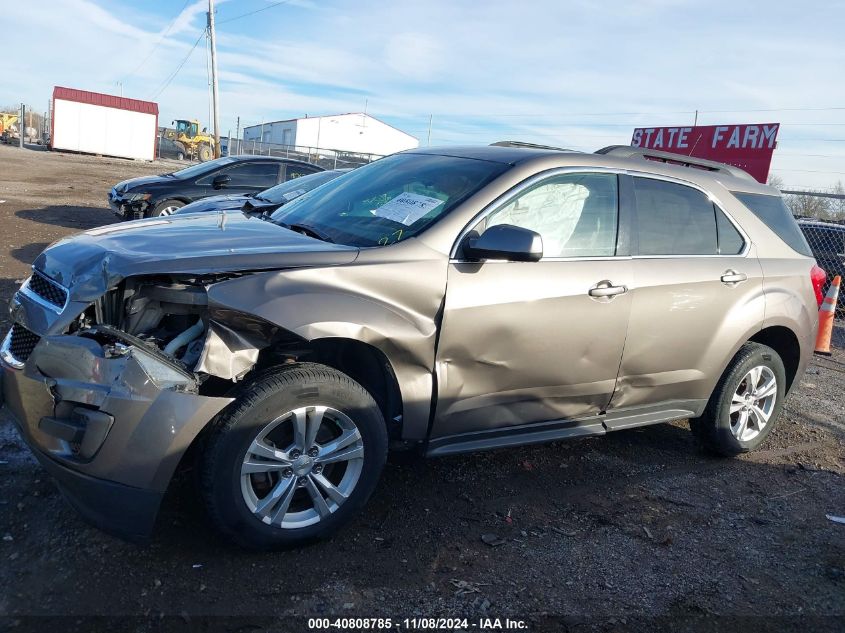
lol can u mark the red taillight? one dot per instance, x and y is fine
(818, 276)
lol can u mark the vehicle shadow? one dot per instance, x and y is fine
(8, 287)
(422, 499)
(70, 216)
(27, 254)
(539, 528)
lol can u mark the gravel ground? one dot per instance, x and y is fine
(636, 530)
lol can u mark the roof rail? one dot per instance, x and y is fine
(529, 146)
(628, 151)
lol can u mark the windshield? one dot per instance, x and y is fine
(291, 189)
(201, 169)
(389, 200)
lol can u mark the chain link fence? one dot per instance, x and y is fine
(827, 241)
(167, 149)
(324, 157)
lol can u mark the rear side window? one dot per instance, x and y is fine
(730, 240)
(674, 219)
(772, 210)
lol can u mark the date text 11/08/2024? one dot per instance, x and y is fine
(417, 624)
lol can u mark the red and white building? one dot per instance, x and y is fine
(108, 125)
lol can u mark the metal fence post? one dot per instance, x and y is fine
(22, 126)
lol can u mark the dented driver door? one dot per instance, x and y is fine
(525, 342)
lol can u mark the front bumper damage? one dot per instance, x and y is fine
(110, 421)
(126, 207)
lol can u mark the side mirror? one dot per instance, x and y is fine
(221, 181)
(507, 242)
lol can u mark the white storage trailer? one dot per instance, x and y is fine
(108, 125)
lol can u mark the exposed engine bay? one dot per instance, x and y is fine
(167, 314)
(170, 318)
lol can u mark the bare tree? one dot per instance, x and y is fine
(776, 182)
(809, 206)
(836, 206)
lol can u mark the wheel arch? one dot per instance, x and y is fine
(343, 316)
(364, 363)
(785, 342)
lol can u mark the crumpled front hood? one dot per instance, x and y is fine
(94, 261)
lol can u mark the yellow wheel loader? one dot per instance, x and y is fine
(192, 142)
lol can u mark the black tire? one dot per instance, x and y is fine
(161, 209)
(181, 152)
(270, 395)
(205, 152)
(713, 428)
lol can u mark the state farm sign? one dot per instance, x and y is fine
(747, 146)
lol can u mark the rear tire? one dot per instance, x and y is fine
(267, 485)
(746, 403)
(181, 152)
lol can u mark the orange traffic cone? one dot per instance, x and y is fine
(826, 314)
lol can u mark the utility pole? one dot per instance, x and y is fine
(22, 126)
(238, 134)
(430, 117)
(214, 90)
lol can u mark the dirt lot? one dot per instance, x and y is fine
(637, 530)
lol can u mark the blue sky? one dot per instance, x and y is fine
(578, 73)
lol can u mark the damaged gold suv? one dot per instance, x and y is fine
(452, 300)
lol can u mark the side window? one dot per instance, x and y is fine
(253, 174)
(730, 240)
(576, 214)
(674, 219)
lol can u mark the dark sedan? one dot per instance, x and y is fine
(239, 175)
(264, 201)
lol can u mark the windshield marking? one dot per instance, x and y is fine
(407, 208)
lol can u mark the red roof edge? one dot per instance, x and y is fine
(108, 101)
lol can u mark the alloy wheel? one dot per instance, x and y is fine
(302, 467)
(752, 403)
(168, 211)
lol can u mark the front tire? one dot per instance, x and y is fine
(165, 208)
(205, 152)
(294, 458)
(746, 404)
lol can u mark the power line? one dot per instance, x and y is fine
(825, 109)
(178, 68)
(808, 171)
(603, 114)
(160, 40)
(243, 15)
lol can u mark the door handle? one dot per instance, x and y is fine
(607, 289)
(733, 277)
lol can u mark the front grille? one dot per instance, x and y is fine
(22, 342)
(47, 289)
